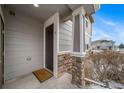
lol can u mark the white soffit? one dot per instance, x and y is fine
(44, 11)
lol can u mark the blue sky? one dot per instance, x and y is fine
(109, 23)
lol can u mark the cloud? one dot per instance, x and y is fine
(110, 29)
(100, 34)
(108, 22)
(116, 33)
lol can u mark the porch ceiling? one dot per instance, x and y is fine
(44, 11)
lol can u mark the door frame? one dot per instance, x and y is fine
(2, 46)
(55, 21)
(49, 47)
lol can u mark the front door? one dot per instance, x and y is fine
(1, 52)
(49, 47)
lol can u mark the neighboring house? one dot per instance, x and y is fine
(103, 45)
(121, 47)
(36, 36)
(116, 48)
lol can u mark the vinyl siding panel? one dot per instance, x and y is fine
(65, 36)
(23, 45)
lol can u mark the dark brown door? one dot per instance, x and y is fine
(49, 47)
(1, 52)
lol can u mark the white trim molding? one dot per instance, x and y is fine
(53, 20)
(81, 12)
(64, 52)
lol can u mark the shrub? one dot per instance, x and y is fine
(106, 65)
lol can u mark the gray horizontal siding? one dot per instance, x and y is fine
(65, 36)
(23, 39)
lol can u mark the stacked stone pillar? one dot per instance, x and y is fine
(73, 65)
(78, 71)
(64, 64)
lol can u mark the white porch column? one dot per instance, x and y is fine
(78, 32)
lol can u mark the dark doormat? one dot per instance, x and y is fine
(42, 74)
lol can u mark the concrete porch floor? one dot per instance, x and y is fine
(30, 82)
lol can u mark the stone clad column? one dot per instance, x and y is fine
(78, 47)
(78, 71)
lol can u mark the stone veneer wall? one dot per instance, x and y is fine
(64, 64)
(73, 65)
(78, 73)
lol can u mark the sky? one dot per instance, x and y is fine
(109, 23)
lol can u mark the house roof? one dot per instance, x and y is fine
(121, 46)
(103, 41)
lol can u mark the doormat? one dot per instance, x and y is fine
(42, 74)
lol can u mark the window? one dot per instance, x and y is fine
(86, 22)
(110, 47)
(98, 47)
(87, 46)
(76, 34)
